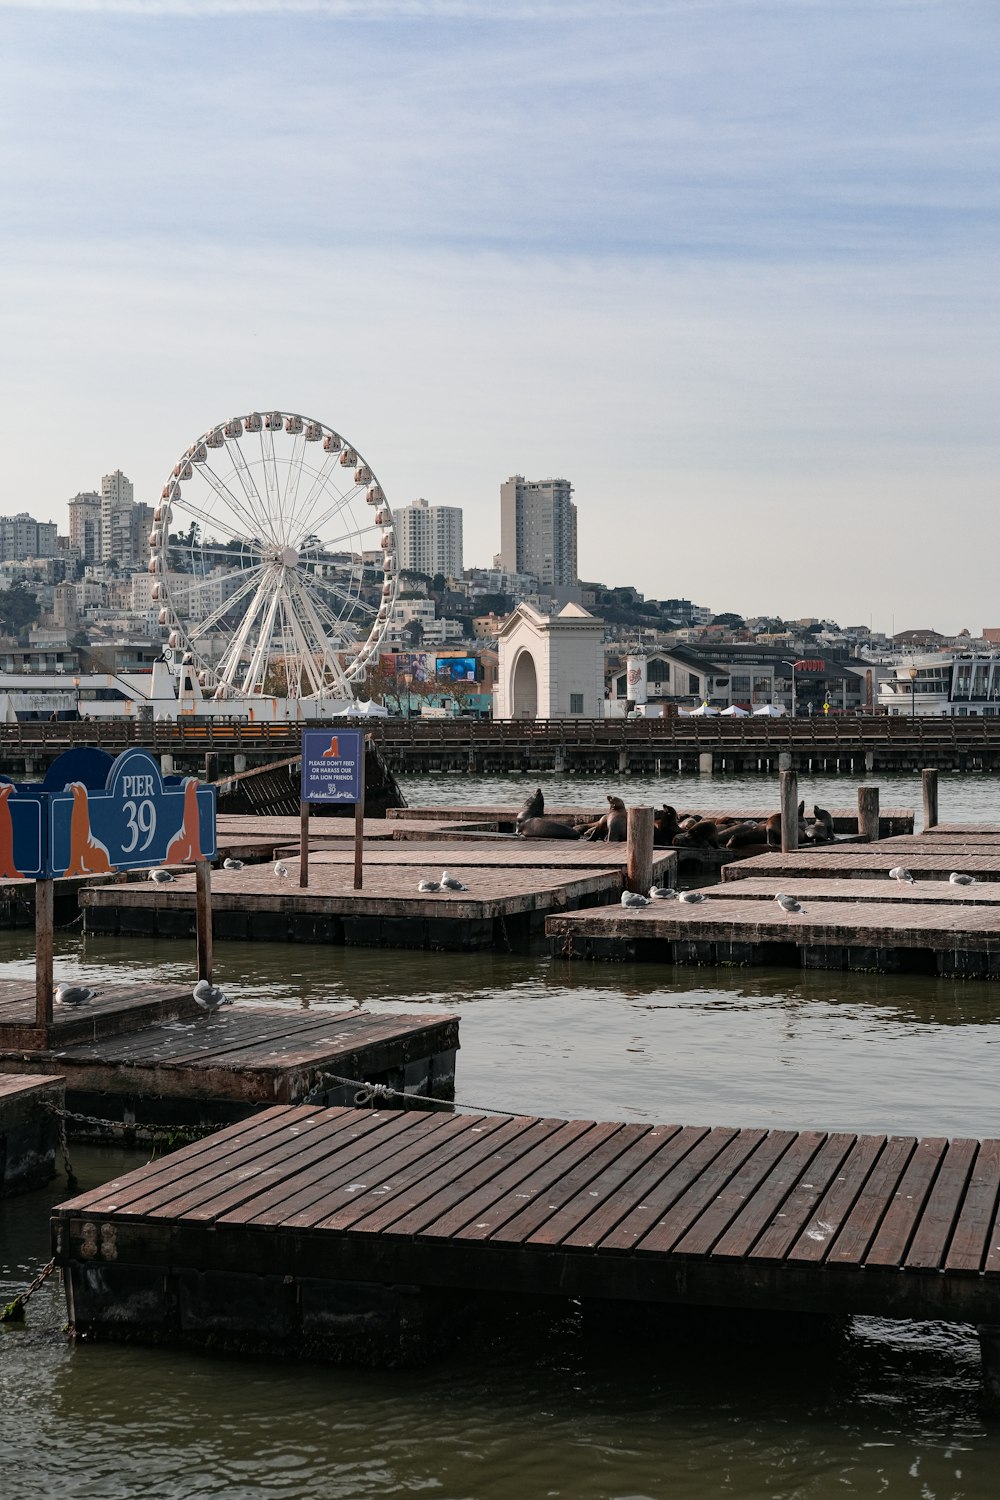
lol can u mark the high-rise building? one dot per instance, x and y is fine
(538, 530)
(85, 525)
(117, 498)
(430, 538)
(21, 537)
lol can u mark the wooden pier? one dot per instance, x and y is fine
(29, 1131)
(504, 907)
(356, 1236)
(123, 1067)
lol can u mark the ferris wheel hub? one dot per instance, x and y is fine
(288, 557)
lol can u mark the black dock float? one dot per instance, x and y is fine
(29, 1131)
(353, 1235)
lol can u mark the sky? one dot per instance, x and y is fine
(729, 266)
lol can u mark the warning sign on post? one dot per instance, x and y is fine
(332, 765)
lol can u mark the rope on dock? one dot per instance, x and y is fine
(14, 1310)
(370, 1093)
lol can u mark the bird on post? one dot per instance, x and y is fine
(281, 871)
(74, 994)
(209, 996)
(956, 878)
(160, 877)
(905, 876)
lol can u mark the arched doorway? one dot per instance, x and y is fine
(524, 687)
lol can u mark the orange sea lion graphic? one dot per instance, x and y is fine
(186, 843)
(87, 855)
(7, 865)
(334, 751)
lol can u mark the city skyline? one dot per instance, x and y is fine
(729, 267)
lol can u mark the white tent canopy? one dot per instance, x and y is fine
(769, 711)
(704, 712)
(734, 712)
(365, 709)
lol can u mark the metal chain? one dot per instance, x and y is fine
(14, 1310)
(71, 1180)
(168, 1132)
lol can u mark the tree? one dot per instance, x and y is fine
(19, 608)
(439, 583)
(735, 622)
(413, 633)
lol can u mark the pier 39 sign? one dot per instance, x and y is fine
(332, 765)
(106, 816)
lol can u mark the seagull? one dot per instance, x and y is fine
(74, 994)
(281, 871)
(449, 883)
(691, 897)
(788, 903)
(161, 877)
(232, 864)
(209, 996)
(900, 874)
(633, 898)
(661, 893)
(429, 885)
(958, 879)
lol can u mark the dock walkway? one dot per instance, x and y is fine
(341, 1234)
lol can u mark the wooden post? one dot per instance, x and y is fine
(868, 813)
(359, 820)
(929, 777)
(639, 850)
(203, 918)
(789, 811)
(44, 944)
(303, 844)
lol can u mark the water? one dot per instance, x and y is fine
(552, 1412)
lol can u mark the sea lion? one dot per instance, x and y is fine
(666, 826)
(533, 808)
(739, 835)
(702, 834)
(186, 842)
(87, 855)
(613, 827)
(821, 827)
(546, 828)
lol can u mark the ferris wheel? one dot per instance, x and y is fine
(273, 556)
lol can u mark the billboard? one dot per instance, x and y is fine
(456, 668)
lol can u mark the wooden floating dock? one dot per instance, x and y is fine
(198, 1069)
(351, 1236)
(892, 820)
(507, 907)
(962, 941)
(924, 893)
(29, 1131)
(865, 862)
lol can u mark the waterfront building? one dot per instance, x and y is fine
(955, 684)
(22, 537)
(538, 530)
(430, 538)
(550, 666)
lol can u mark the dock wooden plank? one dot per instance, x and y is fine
(461, 1142)
(798, 1209)
(465, 1202)
(550, 1217)
(938, 1219)
(728, 1203)
(904, 1212)
(672, 1226)
(661, 1196)
(819, 1233)
(542, 1183)
(760, 1207)
(851, 1243)
(644, 1169)
(977, 1216)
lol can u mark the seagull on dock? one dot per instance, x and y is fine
(900, 874)
(449, 883)
(956, 878)
(428, 885)
(788, 903)
(232, 864)
(633, 898)
(281, 871)
(209, 996)
(662, 893)
(74, 994)
(690, 897)
(160, 877)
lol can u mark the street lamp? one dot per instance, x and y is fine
(911, 673)
(787, 662)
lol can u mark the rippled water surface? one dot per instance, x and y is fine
(554, 1409)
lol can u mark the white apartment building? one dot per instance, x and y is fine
(85, 525)
(430, 538)
(117, 500)
(22, 537)
(538, 530)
